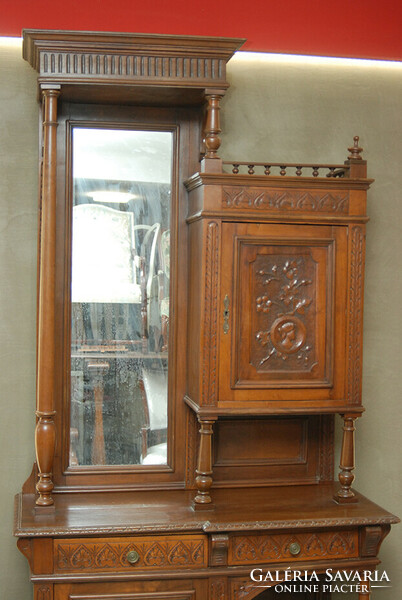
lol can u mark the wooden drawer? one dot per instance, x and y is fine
(81, 555)
(261, 548)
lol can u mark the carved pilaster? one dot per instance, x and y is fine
(355, 314)
(218, 589)
(209, 377)
(43, 592)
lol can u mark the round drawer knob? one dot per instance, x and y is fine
(133, 557)
(294, 548)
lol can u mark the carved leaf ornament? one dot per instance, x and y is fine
(284, 299)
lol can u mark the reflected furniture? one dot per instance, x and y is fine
(154, 394)
(185, 427)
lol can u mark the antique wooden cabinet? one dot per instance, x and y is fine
(199, 326)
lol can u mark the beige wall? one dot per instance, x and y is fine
(272, 111)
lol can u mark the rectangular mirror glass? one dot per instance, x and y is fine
(122, 185)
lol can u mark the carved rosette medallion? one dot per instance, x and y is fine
(284, 313)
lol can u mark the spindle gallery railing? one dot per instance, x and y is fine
(282, 169)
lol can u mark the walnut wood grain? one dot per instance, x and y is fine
(144, 512)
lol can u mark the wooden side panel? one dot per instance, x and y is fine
(266, 451)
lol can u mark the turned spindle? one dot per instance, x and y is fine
(45, 433)
(203, 480)
(347, 462)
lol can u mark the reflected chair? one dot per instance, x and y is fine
(154, 392)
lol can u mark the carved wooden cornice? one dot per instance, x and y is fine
(76, 57)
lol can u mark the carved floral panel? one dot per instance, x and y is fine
(283, 334)
(283, 318)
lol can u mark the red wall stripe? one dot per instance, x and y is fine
(353, 28)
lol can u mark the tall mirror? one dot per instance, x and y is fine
(122, 185)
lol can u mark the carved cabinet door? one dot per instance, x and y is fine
(283, 303)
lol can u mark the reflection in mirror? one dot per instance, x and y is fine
(120, 296)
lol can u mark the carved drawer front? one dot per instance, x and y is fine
(122, 554)
(244, 549)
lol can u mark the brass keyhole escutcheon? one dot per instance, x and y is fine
(226, 314)
(133, 557)
(294, 548)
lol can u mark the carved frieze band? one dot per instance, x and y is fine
(285, 200)
(153, 554)
(262, 548)
(209, 381)
(99, 65)
(355, 315)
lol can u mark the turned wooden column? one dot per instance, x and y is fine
(212, 129)
(347, 463)
(45, 434)
(203, 480)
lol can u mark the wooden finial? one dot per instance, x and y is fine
(355, 150)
